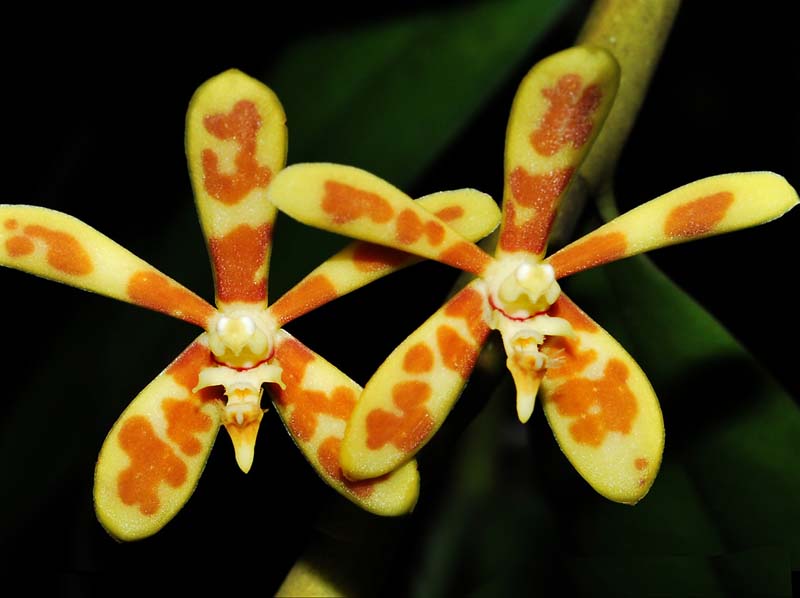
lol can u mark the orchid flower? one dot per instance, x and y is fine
(154, 455)
(600, 405)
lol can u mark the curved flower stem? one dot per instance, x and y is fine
(635, 32)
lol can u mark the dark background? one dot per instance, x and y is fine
(93, 126)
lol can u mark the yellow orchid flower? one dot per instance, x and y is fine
(598, 402)
(155, 453)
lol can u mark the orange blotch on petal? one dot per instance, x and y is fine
(345, 203)
(409, 227)
(595, 251)
(418, 359)
(699, 216)
(450, 213)
(308, 404)
(408, 430)
(600, 406)
(568, 120)
(566, 308)
(457, 353)
(540, 192)
(64, 252)
(314, 291)
(469, 305)
(566, 357)
(640, 463)
(184, 420)
(237, 258)
(240, 125)
(369, 257)
(157, 292)
(19, 246)
(11, 224)
(153, 462)
(466, 256)
(328, 455)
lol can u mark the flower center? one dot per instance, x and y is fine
(521, 290)
(243, 343)
(242, 339)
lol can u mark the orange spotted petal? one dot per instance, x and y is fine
(235, 144)
(152, 459)
(471, 213)
(54, 245)
(355, 203)
(315, 405)
(601, 408)
(412, 392)
(710, 206)
(557, 112)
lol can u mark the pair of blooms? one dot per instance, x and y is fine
(362, 442)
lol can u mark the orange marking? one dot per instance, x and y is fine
(156, 291)
(596, 250)
(600, 406)
(185, 370)
(450, 213)
(640, 463)
(152, 462)
(457, 354)
(418, 359)
(410, 228)
(19, 246)
(540, 192)
(237, 258)
(467, 257)
(312, 292)
(11, 224)
(568, 120)
(369, 257)
(407, 431)
(294, 358)
(469, 304)
(241, 125)
(345, 203)
(328, 455)
(184, 420)
(566, 308)
(698, 217)
(64, 252)
(569, 360)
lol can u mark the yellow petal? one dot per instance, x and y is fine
(152, 459)
(470, 213)
(57, 246)
(235, 145)
(355, 203)
(315, 405)
(707, 207)
(413, 391)
(601, 408)
(557, 113)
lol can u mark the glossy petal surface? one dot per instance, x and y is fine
(154, 454)
(235, 144)
(315, 406)
(602, 409)
(470, 213)
(413, 391)
(60, 247)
